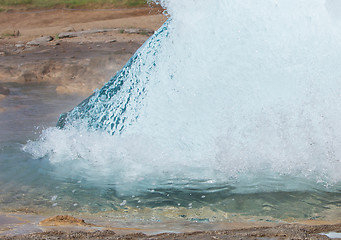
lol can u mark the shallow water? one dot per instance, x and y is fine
(27, 110)
(34, 185)
(233, 120)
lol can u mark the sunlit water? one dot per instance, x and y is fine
(230, 108)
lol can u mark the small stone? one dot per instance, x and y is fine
(138, 31)
(111, 41)
(2, 53)
(68, 34)
(40, 41)
(19, 45)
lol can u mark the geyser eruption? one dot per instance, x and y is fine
(244, 94)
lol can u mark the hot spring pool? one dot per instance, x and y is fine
(230, 111)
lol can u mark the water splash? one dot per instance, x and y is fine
(225, 94)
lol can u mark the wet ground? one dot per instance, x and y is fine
(16, 226)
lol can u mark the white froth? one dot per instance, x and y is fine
(242, 90)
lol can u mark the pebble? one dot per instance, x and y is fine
(111, 41)
(40, 41)
(19, 45)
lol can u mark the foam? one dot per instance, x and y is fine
(233, 93)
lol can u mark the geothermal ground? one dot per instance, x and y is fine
(77, 50)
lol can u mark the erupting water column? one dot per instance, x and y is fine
(227, 93)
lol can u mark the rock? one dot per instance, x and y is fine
(4, 91)
(63, 220)
(71, 34)
(138, 31)
(68, 34)
(19, 45)
(131, 31)
(111, 41)
(2, 53)
(40, 41)
(77, 34)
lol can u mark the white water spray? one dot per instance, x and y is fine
(231, 92)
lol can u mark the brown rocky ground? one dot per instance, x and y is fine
(98, 44)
